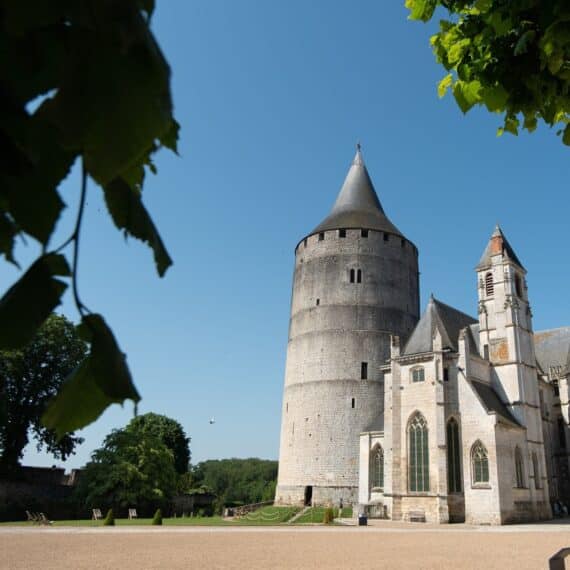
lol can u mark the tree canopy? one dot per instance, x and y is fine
(29, 378)
(133, 468)
(167, 430)
(238, 481)
(511, 57)
(82, 81)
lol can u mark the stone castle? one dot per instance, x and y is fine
(442, 417)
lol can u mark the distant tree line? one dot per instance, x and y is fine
(237, 481)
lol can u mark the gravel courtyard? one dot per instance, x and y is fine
(377, 547)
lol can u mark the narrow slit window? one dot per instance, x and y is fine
(321, 236)
(359, 276)
(353, 402)
(318, 302)
(486, 351)
(518, 286)
(364, 371)
(489, 285)
(386, 237)
(446, 374)
(364, 233)
(341, 233)
(305, 242)
(403, 242)
(352, 275)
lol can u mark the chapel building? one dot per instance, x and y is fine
(443, 418)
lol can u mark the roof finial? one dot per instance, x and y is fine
(358, 146)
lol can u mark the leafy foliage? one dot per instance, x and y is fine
(134, 468)
(109, 519)
(511, 57)
(29, 377)
(328, 516)
(157, 518)
(167, 430)
(81, 80)
(238, 481)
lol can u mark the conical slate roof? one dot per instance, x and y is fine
(357, 205)
(498, 243)
(446, 319)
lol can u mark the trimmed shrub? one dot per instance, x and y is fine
(328, 516)
(109, 518)
(157, 519)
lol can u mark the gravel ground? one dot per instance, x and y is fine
(375, 547)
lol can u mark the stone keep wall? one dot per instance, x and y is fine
(335, 326)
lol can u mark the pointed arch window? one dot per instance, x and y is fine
(536, 471)
(453, 457)
(489, 285)
(418, 454)
(519, 468)
(479, 463)
(377, 467)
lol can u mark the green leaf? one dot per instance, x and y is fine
(512, 125)
(114, 100)
(128, 213)
(467, 94)
(444, 85)
(566, 135)
(28, 303)
(530, 123)
(101, 380)
(525, 40)
(31, 169)
(495, 98)
(421, 9)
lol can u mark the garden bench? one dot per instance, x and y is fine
(97, 515)
(32, 517)
(133, 514)
(44, 520)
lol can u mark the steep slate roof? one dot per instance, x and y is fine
(357, 205)
(449, 322)
(507, 250)
(491, 401)
(552, 348)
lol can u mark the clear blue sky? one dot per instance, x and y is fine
(272, 97)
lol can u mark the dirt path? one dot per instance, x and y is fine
(291, 548)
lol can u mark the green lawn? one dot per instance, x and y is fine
(316, 515)
(262, 517)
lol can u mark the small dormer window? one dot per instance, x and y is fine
(489, 285)
(418, 375)
(341, 233)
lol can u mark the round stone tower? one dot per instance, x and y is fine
(355, 284)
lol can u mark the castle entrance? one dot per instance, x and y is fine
(308, 495)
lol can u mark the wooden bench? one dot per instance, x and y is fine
(417, 516)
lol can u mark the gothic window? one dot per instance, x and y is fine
(489, 285)
(364, 371)
(341, 233)
(418, 375)
(479, 463)
(359, 276)
(519, 468)
(418, 455)
(377, 467)
(536, 471)
(352, 275)
(453, 457)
